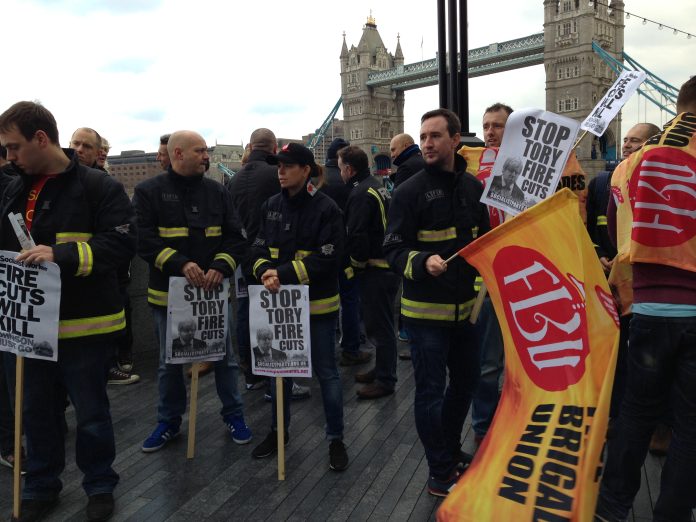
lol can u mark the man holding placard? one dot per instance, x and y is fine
(187, 227)
(81, 220)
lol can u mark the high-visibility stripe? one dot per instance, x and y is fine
(357, 264)
(163, 256)
(437, 235)
(157, 297)
(602, 220)
(477, 283)
(228, 259)
(324, 306)
(379, 263)
(436, 311)
(102, 324)
(349, 272)
(213, 231)
(173, 231)
(301, 254)
(70, 237)
(474, 232)
(258, 263)
(408, 271)
(275, 252)
(85, 261)
(301, 271)
(381, 206)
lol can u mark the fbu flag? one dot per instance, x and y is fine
(541, 459)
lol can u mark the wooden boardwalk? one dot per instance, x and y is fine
(385, 480)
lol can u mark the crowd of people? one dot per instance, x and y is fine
(283, 219)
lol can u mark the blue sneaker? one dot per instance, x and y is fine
(239, 431)
(163, 433)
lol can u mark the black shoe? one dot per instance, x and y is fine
(269, 445)
(353, 359)
(33, 510)
(100, 507)
(338, 458)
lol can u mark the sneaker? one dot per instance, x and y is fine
(9, 461)
(33, 509)
(239, 431)
(300, 392)
(269, 446)
(116, 376)
(100, 507)
(163, 433)
(255, 382)
(441, 488)
(352, 359)
(125, 365)
(403, 336)
(338, 458)
(267, 397)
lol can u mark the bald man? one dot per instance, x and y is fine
(636, 136)
(187, 227)
(86, 143)
(406, 155)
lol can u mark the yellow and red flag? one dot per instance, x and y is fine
(541, 459)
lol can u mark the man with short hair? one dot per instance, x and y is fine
(86, 143)
(101, 163)
(264, 351)
(188, 228)
(431, 218)
(365, 215)
(505, 185)
(494, 120)
(662, 340)
(162, 154)
(87, 241)
(407, 157)
(636, 136)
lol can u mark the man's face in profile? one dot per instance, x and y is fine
(265, 341)
(186, 331)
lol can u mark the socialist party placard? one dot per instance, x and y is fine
(279, 331)
(609, 106)
(197, 322)
(534, 151)
(29, 307)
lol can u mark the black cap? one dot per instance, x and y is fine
(293, 154)
(336, 145)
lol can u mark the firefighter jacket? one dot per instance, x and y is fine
(182, 219)
(366, 221)
(302, 238)
(435, 212)
(87, 219)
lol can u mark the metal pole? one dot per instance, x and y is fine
(463, 76)
(452, 44)
(442, 52)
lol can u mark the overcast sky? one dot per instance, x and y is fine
(134, 69)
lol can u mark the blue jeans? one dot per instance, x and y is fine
(243, 340)
(661, 367)
(322, 334)
(170, 378)
(81, 370)
(441, 407)
(492, 364)
(350, 314)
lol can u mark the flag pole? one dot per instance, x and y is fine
(280, 425)
(17, 466)
(193, 410)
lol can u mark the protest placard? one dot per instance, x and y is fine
(279, 331)
(29, 307)
(610, 105)
(197, 322)
(530, 161)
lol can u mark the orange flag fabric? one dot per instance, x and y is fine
(541, 459)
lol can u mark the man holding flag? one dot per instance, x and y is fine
(433, 215)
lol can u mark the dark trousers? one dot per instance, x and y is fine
(6, 403)
(377, 288)
(661, 367)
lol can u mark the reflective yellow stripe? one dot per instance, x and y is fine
(69, 237)
(408, 271)
(163, 256)
(301, 254)
(602, 220)
(157, 297)
(228, 259)
(474, 232)
(213, 231)
(357, 264)
(258, 263)
(324, 306)
(436, 311)
(379, 263)
(381, 206)
(477, 283)
(275, 252)
(437, 235)
(102, 324)
(349, 272)
(85, 261)
(301, 271)
(173, 231)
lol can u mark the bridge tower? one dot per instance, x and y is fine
(575, 76)
(371, 115)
